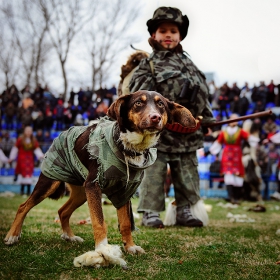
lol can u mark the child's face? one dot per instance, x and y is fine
(168, 35)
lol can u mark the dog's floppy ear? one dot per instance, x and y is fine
(115, 111)
(180, 119)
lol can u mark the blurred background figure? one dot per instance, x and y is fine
(23, 150)
(6, 145)
(231, 162)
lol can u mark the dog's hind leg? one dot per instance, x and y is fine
(76, 199)
(44, 188)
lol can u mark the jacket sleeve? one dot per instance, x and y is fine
(142, 77)
(207, 114)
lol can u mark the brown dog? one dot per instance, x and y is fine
(106, 157)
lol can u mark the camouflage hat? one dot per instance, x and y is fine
(170, 14)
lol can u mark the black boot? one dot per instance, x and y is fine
(230, 194)
(28, 189)
(185, 218)
(22, 190)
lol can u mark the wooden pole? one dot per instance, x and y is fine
(251, 116)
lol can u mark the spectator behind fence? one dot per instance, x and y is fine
(10, 112)
(269, 127)
(276, 140)
(38, 119)
(6, 144)
(252, 179)
(223, 101)
(26, 118)
(233, 92)
(273, 156)
(48, 116)
(23, 150)
(247, 92)
(58, 115)
(72, 96)
(102, 108)
(3, 158)
(68, 115)
(38, 96)
(270, 93)
(243, 104)
(276, 194)
(27, 101)
(231, 163)
(260, 97)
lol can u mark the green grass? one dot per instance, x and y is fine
(222, 250)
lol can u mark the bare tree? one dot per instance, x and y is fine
(64, 20)
(37, 29)
(108, 36)
(8, 59)
(28, 32)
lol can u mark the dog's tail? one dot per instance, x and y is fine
(59, 192)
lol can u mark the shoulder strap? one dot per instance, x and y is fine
(152, 66)
(125, 84)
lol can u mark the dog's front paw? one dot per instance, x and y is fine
(72, 239)
(135, 250)
(91, 258)
(10, 240)
(104, 255)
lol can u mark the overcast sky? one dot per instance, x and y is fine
(238, 40)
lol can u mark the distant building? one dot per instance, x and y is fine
(209, 76)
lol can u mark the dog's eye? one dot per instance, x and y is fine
(138, 103)
(160, 104)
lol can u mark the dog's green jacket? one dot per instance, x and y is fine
(117, 179)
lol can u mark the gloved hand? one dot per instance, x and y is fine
(176, 127)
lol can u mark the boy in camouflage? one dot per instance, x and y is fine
(171, 70)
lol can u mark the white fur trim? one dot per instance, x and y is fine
(231, 179)
(3, 158)
(13, 153)
(253, 140)
(170, 216)
(198, 210)
(38, 153)
(231, 129)
(138, 142)
(275, 138)
(102, 256)
(25, 180)
(215, 148)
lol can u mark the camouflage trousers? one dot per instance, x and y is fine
(185, 178)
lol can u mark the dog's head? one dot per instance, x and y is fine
(148, 112)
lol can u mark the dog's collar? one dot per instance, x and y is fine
(119, 144)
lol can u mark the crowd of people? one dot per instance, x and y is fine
(46, 113)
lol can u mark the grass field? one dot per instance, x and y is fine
(222, 250)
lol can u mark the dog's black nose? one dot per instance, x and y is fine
(156, 118)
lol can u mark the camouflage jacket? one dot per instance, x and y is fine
(117, 179)
(171, 69)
